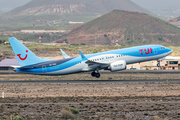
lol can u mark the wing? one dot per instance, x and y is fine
(92, 64)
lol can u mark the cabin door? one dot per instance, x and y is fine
(44, 69)
(155, 51)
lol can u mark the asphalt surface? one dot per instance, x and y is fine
(95, 103)
(91, 81)
(124, 71)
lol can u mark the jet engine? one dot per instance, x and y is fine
(117, 66)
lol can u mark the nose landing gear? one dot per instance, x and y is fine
(94, 74)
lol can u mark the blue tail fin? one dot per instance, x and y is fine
(24, 56)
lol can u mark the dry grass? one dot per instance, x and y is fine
(33, 90)
(67, 114)
(126, 111)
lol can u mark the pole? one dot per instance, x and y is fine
(95, 40)
(3, 94)
(11, 117)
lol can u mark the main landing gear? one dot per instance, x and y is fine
(94, 74)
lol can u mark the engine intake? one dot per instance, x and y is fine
(117, 66)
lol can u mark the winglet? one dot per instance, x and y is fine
(64, 54)
(82, 56)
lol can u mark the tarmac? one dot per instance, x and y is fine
(92, 81)
(124, 71)
(104, 81)
(95, 103)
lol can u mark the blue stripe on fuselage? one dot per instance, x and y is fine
(58, 65)
(52, 65)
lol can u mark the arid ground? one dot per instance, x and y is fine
(91, 101)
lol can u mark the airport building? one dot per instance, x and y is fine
(149, 65)
(7, 64)
(167, 63)
(170, 63)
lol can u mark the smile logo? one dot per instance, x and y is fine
(19, 55)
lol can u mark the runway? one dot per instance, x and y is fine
(119, 72)
(91, 81)
(96, 103)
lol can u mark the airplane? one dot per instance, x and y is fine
(64, 54)
(115, 60)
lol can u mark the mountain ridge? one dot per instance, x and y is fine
(131, 28)
(36, 7)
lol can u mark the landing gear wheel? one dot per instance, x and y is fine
(98, 75)
(93, 74)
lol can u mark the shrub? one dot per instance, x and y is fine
(67, 114)
(75, 111)
(18, 118)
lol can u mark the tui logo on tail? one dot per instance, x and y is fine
(19, 55)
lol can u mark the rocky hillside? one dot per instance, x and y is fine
(175, 21)
(37, 7)
(130, 28)
(42, 14)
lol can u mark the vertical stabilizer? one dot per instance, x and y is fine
(24, 56)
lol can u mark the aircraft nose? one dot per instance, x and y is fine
(170, 50)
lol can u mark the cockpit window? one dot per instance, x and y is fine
(162, 48)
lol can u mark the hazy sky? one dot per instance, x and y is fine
(158, 4)
(7, 5)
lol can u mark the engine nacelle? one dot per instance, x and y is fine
(117, 66)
